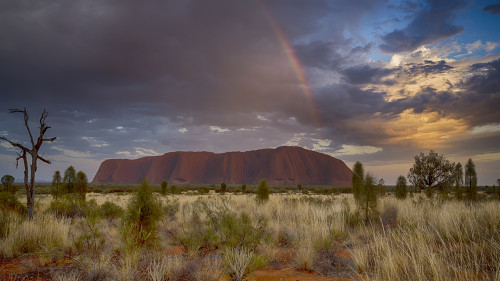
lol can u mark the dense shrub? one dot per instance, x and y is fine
(9, 202)
(203, 190)
(263, 191)
(110, 211)
(143, 213)
(164, 187)
(71, 206)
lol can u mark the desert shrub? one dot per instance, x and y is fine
(91, 239)
(223, 187)
(263, 192)
(81, 184)
(237, 261)
(304, 256)
(196, 235)
(9, 202)
(174, 190)
(164, 187)
(110, 210)
(244, 188)
(71, 206)
(401, 187)
(203, 190)
(142, 215)
(165, 268)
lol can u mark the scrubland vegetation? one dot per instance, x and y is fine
(215, 236)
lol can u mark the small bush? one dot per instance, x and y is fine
(203, 190)
(9, 202)
(223, 187)
(71, 207)
(237, 261)
(263, 192)
(164, 187)
(143, 213)
(110, 211)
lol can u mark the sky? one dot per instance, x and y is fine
(372, 81)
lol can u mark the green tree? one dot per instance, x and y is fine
(164, 187)
(56, 184)
(357, 180)
(382, 189)
(431, 171)
(81, 184)
(244, 188)
(69, 179)
(142, 215)
(471, 180)
(7, 182)
(401, 188)
(368, 197)
(263, 191)
(458, 180)
(223, 187)
(30, 170)
(299, 187)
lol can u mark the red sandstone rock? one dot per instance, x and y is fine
(281, 166)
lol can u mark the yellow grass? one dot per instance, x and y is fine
(414, 239)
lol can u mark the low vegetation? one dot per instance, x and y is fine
(193, 236)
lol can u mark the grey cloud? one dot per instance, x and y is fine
(493, 8)
(429, 25)
(364, 74)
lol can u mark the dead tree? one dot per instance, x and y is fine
(33, 152)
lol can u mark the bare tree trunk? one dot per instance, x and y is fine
(33, 152)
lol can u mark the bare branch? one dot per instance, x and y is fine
(23, 156)
(49, 140)
(26, 118)
(15, 144)
(44, 160)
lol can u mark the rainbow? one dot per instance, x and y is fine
(294, 62)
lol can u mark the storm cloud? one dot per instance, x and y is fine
(431, 24)
(127, 79)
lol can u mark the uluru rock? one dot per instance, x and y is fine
(281, 166)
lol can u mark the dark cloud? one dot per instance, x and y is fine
(364, 74)
(432, 23)
(493, 8)
(428, 67)
(121, 77)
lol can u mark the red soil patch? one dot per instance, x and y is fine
(290, 274)
(175, 251)
(27, 268)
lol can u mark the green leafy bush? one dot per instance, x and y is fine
(71, 206)
(9, 202)
(164, 187)
(263, 191)
(110, 210)
(143, 213)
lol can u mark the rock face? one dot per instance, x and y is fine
(281, 166)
